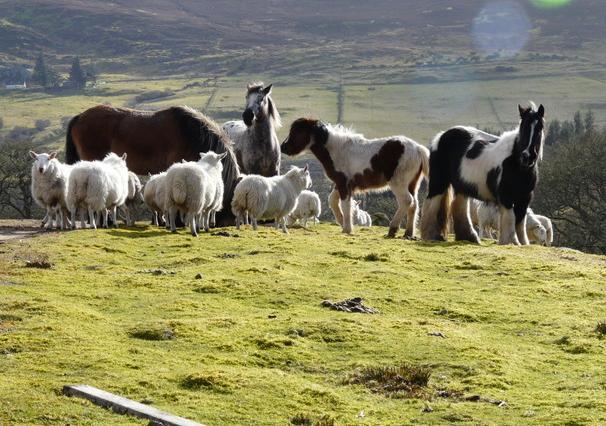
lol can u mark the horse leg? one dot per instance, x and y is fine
(347, 211)
(520, 210)
(507, 234)
(462, 221)
(333, 202)
(436, 208)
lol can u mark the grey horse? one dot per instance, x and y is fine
(256, 144)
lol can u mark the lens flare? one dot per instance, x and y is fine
(502, 28)
(549, 4)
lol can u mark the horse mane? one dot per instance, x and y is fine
(343, 132)
(205, 135)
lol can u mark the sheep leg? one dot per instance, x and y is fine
(346, 208)
(304, 222)
(238, 220)
(82, 219)
(115, 215)
(49, 223)
(172, 214)
(207, 216)
(508, 230)
(44, 220)
(253, 220)
(213, 219)
(462, 221)
(333, 202)
(91, 218)
(283, 221)
(193, 225)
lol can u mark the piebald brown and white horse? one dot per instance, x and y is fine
(502, 170)
(356, 164)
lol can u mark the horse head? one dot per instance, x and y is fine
(304, 132)
(529, 144)
(257, 102)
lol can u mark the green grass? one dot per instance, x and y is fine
(249, 343)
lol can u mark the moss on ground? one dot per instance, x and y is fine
(250, 343)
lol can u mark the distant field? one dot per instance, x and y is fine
(417, 110)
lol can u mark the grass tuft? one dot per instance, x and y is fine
(600, 329)
(402, 381)
(152, 332)
(215, 382)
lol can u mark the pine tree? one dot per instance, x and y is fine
(39, 76)
(77, 78)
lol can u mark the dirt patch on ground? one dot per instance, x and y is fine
(12, 229)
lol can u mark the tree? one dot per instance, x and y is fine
(553, 133)
(579, 127)
(77, 78)
(15, 179)
(39, 76)
(589, 122)
(572, 191)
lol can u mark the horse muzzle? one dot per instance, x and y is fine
(248, 116)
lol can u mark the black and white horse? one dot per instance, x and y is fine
(256, 143)
(499, 169)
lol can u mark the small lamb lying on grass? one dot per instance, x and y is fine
(538, 228)
(308, 207)
(49, 188)
(269, 197)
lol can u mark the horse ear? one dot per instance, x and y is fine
(522, 110)
(541, 111)
(267, 90)
(33, 155)
(53, 155)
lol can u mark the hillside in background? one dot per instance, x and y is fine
(287, 36)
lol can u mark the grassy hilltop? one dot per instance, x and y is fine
(249, 342)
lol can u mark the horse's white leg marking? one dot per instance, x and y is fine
(521, 232)
(347, 219)
(508, 231)
(333, 202)
(430, 228)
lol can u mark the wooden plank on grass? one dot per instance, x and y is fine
(123, 405)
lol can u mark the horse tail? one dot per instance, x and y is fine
(178, 190)
(424, 153)
(71, 153)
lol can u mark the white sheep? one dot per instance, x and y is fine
(192, 189)
(538, 228)
(154, 198)
(134, 195)
(49, 187)
(98, 187)
(359, 216)
(269, 197)
(308, 207)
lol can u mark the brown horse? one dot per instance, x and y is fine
(153, 141)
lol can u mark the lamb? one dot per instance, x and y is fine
(134, 193)
(308, 207)
(98, 187)
(193, 188)
(360, 217)
(269, 197)
(49, 187)
(538, 228)
(154, 198)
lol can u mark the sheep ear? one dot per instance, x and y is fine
(33, 155)
(306, 168)
(53, 155)
(123, 157)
